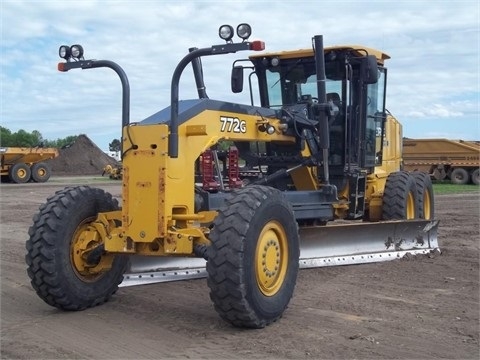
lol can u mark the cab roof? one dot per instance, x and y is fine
(360, 49)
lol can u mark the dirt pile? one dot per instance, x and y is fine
(82, 157)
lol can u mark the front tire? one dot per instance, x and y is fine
(253, 260)
(53, 266)
(19, 173)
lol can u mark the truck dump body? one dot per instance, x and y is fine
(21, 164)
(456, 160)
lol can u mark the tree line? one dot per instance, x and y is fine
(22, 138)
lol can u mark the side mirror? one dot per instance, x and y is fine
(371, 71)
(237, 79)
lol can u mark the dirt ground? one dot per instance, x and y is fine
(420, 308)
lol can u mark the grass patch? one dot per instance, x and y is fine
(440, 187)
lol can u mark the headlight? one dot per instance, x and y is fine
(64, 52)
(244, 31)
(225, 32)
(77, 51)
(275, 61)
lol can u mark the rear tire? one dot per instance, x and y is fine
(400, 197)
(40, 172)
(19, 173)
(425, 198)
(51, 268)
(476, 176)
(459, 176)
(253, 260)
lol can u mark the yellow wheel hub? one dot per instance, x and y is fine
(410, 206)
(21, 173)
(271, 258)
(85, 239)
(426, 205)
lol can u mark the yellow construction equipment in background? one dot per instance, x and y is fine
(454, 160)
(311, 178)
(22, 164)
(113, 172)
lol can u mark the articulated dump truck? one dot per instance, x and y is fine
(443, 159)
(306, 175)
(22, 164)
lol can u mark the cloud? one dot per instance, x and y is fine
(437, 110)
(433, 73)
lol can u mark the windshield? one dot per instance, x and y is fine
(356, 122)
(293, 83)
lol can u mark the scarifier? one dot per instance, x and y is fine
(244, 195)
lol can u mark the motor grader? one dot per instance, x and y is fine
(242, 194)
(113, 172)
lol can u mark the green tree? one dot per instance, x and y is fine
(24, 139)
(5, 136)
(224, 145)
(60, 143)
(38, 138)
(115, 145)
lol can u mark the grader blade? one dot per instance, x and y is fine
(148, 270)
(331, 245)
(361, 243)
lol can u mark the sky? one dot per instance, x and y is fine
(433, 73)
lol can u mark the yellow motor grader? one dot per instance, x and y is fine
(113, 172)
(242, 194)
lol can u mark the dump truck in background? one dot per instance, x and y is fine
(22, 164)
(457, 160)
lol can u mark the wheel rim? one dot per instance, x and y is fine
(410, 206)
(82, 240)
(271, 258)
(41, 172)
(21, 173)
(426, 205)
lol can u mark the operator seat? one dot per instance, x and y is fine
(336, 129)
(335, 99)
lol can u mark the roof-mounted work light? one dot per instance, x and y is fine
(64, 52)
(77, 51)
(69, 53)
(244, 31)
(226, 32)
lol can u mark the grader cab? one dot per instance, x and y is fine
(242, 194)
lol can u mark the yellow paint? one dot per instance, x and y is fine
(158, 191)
